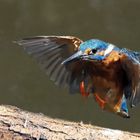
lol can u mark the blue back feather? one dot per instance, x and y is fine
(134, 56)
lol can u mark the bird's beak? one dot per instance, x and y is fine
(83, 56)
(74, 57)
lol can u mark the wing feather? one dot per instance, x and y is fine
(50, 52)
(131, 66)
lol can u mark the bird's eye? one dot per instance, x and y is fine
(94, 51)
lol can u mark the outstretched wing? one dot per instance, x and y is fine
(50, 52)
(131, 65)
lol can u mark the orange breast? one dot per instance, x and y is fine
(108, 79)
(113, 57)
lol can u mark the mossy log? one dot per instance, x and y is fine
(16, 124)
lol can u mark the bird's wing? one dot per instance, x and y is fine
(131, 65)
(50, 52)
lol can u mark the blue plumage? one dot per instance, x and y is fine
(124, 105)
(93, 44)
(134, 56)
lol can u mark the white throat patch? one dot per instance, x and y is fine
(109, 49)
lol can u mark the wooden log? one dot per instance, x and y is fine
(16, 124)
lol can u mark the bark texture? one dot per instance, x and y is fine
(16, 124)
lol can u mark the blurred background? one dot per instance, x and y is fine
(24, 85)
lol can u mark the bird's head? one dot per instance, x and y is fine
(91, 50)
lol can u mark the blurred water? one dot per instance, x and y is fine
(23, 84)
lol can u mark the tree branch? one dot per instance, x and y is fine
(16, 124)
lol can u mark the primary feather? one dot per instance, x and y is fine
(50, 52)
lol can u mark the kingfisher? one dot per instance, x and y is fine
(93, 67)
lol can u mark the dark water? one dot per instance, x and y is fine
(23, 84)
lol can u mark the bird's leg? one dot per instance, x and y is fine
(85, 93)
(83, 90)
(100, 101)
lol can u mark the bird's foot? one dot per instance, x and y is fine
(100, 101)
(82, 90)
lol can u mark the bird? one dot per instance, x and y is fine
(93, 67)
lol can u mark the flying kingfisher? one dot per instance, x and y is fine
(93, 67)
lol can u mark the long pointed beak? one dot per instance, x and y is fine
(74, 57)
